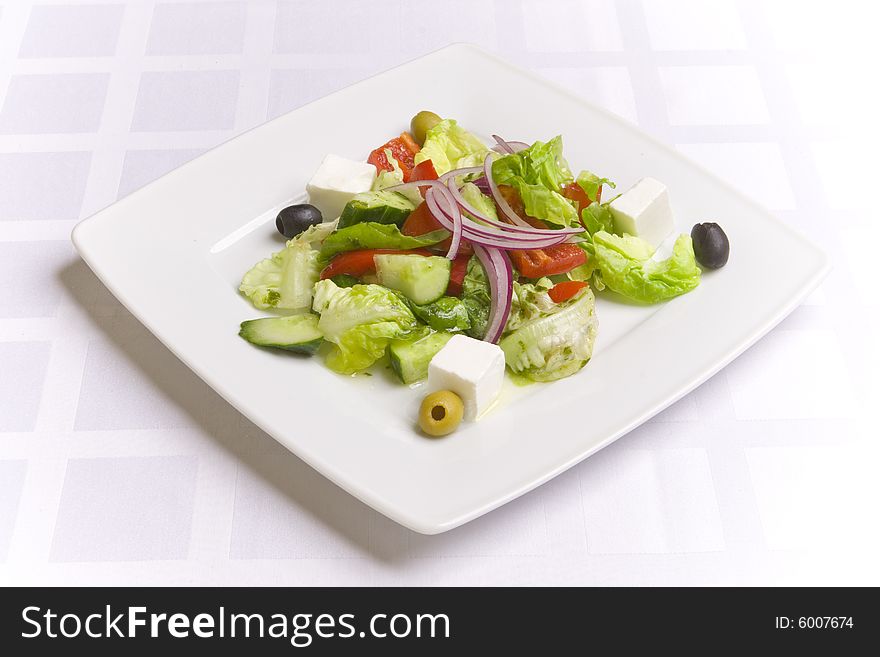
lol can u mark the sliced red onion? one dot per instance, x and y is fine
(441, 208)
(466, 171)
(509, 245)
(450, 221)
(500, 275)
(476, 214)
(502, 203)
(444, 206)
(483, 185)
(457, 221)
(517, 230)
(502, 146)
(508, 147)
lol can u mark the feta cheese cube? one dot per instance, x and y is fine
(336, 181)
(644, 211)
(472, 369)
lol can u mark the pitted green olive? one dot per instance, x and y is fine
(421, 123)
(440, 413)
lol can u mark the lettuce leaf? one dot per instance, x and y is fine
(372, 235)
(286, 278)
(597, 217)
(552, 207)
(539, 164)
(554, 345)
(449, 147)
(476, 297)
(538, 173)
(591, 184)
(479, 201)
(530, 301)
(359, 322)
(626, 267)
(444, 314)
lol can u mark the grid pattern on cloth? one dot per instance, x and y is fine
(119, 466)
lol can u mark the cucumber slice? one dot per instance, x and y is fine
(422, 279)
(380, 207)
(410, 360)
(297, 333)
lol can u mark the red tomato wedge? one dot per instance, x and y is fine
(421, 221)
(403, 148)
(358, 263)
(423, 171)
(457, 274)
(565, 290)
(558, 259)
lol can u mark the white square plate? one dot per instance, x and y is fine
(174, 252)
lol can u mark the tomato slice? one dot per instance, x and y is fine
(423, 171)
(403, 148)
(457, 274)
(421, 221)
(535, 263)
(565, 290)
(360, 262)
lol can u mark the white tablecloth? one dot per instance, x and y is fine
(119, 466)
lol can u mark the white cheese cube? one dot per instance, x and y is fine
(472, 369)
(644, 211)
(336, 181)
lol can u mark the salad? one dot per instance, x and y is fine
(460, 261)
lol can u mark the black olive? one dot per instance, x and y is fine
(711, 245)
(294, 219)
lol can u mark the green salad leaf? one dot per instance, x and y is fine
(538, 173)
(372, 235)
(476, 297)
(626, 267)
(444, 314)
(552, 207)
(597, 217)
(591, 184)
(530, 301)
(539, 164)
(479, 201)
(286, 278)
(359, 322)
(554, 345)
(449, 147)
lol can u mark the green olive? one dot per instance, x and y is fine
(421, 123)
(440, 413)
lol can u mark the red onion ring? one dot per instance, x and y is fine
(486, 235)
(508, 147)
(500, 275)
(454, 173)
(502, 146)
(526, 230)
